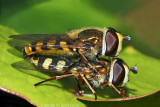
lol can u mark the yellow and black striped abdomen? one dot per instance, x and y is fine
(54, 45)
(54, 64)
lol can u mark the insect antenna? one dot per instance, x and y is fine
(127, 38)
(133, 69)
(53, 78)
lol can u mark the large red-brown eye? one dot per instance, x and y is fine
(118, 72)
(111, 43)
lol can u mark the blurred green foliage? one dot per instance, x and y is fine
(139, 19)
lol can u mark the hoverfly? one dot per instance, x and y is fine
(88, 43)
(114, 73)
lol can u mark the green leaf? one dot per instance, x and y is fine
(21, 83)
(60, 91)
(144, 83)
(60, 16)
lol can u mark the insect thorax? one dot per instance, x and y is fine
(98, 80)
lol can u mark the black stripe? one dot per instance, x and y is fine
(58, 40)
(75, 64)
(110, 28)
(69, 43)
(24, 53)
(40, 62)
(35, 57)
(68, 63)
(33, 45)
(45, 41)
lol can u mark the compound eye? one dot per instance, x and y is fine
(111, 39)
(118, 72)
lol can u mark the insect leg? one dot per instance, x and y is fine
(55, 77)
(83, 57)
(104, 85)
(78, 89)
(85, 80)
(119, 92)
(65, 71)
(123, 92)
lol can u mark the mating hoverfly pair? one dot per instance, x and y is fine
(58, 52)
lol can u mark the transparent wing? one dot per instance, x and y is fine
(29, 69)
(24, 65)
(21, 41)
(35, 37)
(43, 63)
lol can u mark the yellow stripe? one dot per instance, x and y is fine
(34, 61)
(46, 63)
(60, 65)
(62, 43)
(120, 38)
(39, 46)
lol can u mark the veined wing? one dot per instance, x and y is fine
(41, 41)
(43, 63)
(35, 37)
